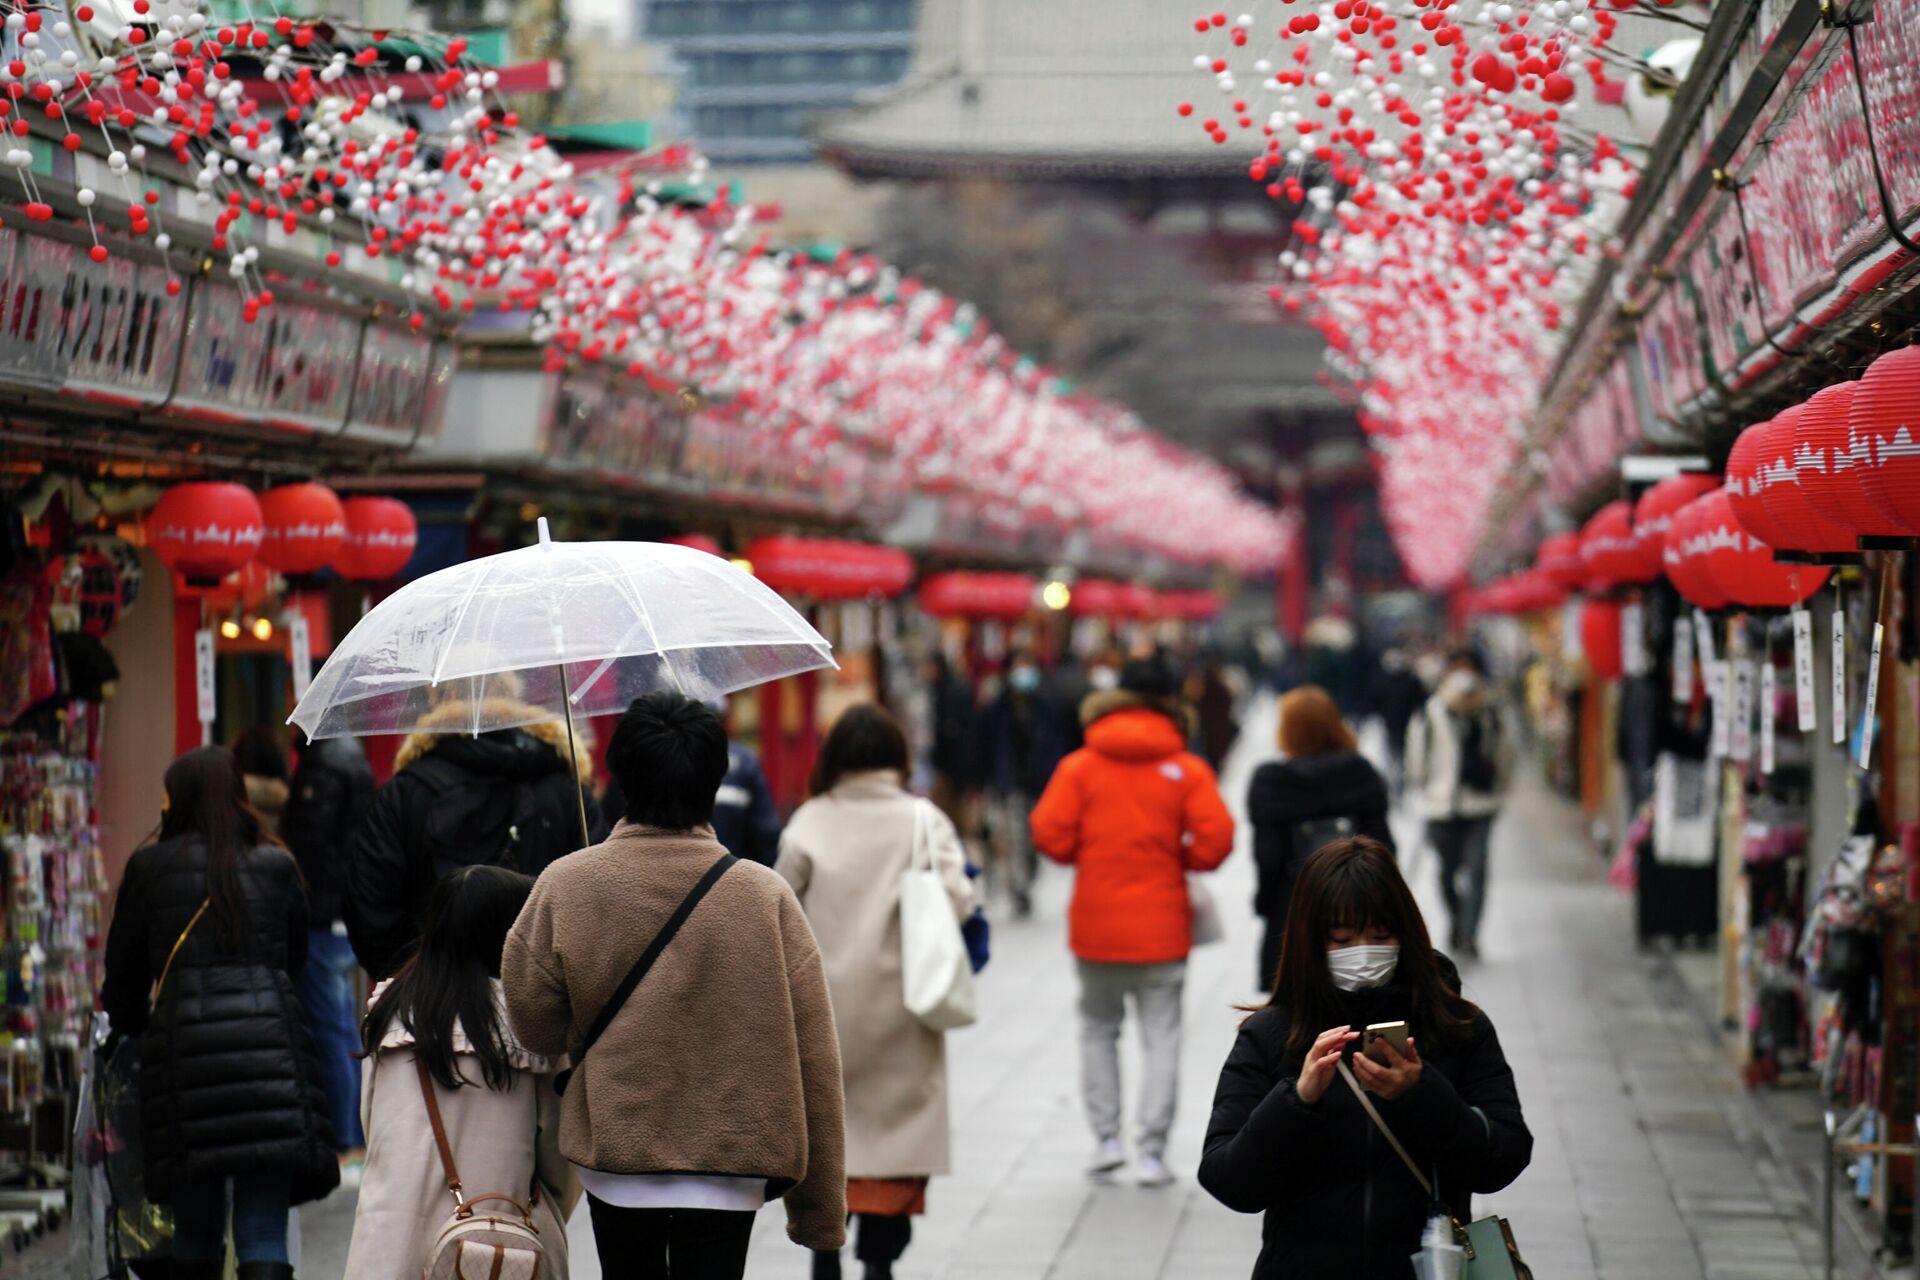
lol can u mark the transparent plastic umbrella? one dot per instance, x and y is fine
(556, 630)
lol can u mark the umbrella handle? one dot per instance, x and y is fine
(579, 792)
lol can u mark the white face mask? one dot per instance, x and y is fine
(1459, 684)
(1356, 968)
(1104, 678)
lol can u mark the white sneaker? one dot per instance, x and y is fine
(1151, 1171)
(1107, 1157)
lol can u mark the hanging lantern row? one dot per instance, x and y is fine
(207, 530)
(289, 126)
(829, 568)
(1844, 466)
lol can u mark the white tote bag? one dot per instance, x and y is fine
(1207, 925)
(934, 972)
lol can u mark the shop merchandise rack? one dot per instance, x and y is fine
(52, 900)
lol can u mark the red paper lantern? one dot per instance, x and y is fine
(1681, 558)
(1745, 482)
(1190, 606)
(1559, 559)
(1653, 514)
(205, 530)
(1095, 598)
(976, 595)
(1744, 566)
(1607, 545)
(1830, 456)
(381, 536)
(305, 525)
(1600, 638)
(828, 568)
(1801, 526)
(1882, 418)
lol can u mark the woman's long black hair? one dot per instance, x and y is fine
(447, 982)
(207, 798)
(1355, 884)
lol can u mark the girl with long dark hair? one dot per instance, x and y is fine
(445, 1008)
(1289, 1138)
(209, 933)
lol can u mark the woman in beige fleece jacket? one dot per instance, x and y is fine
(717, 1083)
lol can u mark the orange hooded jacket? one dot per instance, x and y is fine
(1133, 811)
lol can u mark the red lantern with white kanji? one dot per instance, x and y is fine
(1744, 566)
(1559, 559)
(1653, 515)
(1883, 416)
(305, 525)
(1802, 526)
(1607, 545)
(1829, 456)
(1686, 567)
(381, 537)
(1745, 481)
(205, 530)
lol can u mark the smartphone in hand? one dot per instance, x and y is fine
(1394, 1033)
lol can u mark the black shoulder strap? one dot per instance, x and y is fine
(618, 1000)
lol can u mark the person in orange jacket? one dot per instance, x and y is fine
(1133, 811)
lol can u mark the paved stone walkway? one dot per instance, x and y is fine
(1648, 1163)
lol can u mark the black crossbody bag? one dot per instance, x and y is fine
(627, 984)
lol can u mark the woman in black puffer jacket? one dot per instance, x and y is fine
(1289, 1139)
(230, 1092)
(1323, 790)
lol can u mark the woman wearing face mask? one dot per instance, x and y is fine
(1288, 1137)
(1022, 747)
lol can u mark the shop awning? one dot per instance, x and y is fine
(829, 568)
(961, 594)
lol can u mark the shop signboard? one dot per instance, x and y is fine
(33, 310)
(1889, 53)
(291, 368)
(393, 391)
(1723, 269)
(122, 338)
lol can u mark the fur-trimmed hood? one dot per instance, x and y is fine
(448, 723)
(1105, 702)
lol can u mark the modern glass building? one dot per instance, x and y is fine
(757, 73)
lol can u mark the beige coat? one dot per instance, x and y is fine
(723, 1061)
(502, 1143)
(844, 854)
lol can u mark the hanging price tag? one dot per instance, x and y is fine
(300, 654)
(1839, 676)
(1720, 696)
(1767, 700)
(203, 681)
(1682, 666)
(1633, 642)
(1740, 738)
(1805, 715)
(1873, 696)
(1703, 639)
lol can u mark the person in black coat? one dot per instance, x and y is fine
(212, 921)
(1323, 790)
(1289, 1139)
(511, 798)
(332, 790)
(1021, 745)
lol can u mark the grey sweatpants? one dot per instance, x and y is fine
(1156, 990)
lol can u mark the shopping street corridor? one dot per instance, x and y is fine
(1647, 1162)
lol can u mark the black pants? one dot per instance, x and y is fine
(685, 1244)
(880, 1239)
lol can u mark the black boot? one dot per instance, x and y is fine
(826, 1266)
(879, 1271)
(264, 1271)
(178, 1269)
